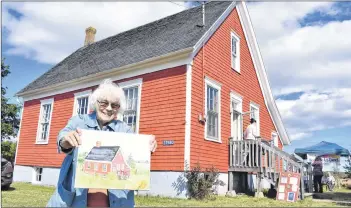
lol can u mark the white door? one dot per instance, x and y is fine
(236, 121)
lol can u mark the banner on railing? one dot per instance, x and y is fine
(288, 186)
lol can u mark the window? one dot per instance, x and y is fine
(44, 121)
(255, 113)
(235, 52)
(130, 114)
(89, 165)
(96, 166)
(104, 167)
(275, 139)
(118, 167)
(132, 92)
(38, 173)
(81, 103)
(122, 167)
(213, 109)
(236, 117)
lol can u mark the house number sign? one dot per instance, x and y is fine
(168, 142)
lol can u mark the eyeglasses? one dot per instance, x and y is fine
(105, 104)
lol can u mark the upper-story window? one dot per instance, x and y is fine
(255, 113)
(213, 109)
(132, 92)
(235, 52)
(44, 121)
(81, 103)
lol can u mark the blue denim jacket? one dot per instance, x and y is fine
(65, 194)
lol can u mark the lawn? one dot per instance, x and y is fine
(27, 195)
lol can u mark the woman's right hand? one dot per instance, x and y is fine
(71, 139)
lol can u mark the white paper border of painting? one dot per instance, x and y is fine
(148, 166)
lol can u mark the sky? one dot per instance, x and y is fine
(305, 46)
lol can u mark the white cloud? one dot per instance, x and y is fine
(48, 32)
(315, 111)
(302, 58)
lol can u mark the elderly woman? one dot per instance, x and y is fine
(106, 101)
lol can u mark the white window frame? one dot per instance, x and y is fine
(39, 128)
(236, 65)
(96, 166)
(212, 83)
(235, 97)
(89, 165)
(78, 95)
(118, 167)
(275, 139)
(257, 107)
(128, 84)
(104, 167)
(35, 175)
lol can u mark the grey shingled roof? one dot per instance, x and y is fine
(102, 153)
(170, 34)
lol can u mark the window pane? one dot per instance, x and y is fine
(82, 105)
(130, 114)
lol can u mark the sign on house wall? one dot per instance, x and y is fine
(111, 160)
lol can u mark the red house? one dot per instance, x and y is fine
(193, 82)
(105, 159)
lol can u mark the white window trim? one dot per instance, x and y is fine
(34, 178)
(134, 83)
(237, 61)
(257, 107)
(80, 95)
(43, 102)
(238, 99)
(276, 144)
(96, 166)
(216, 85)
(104, 167)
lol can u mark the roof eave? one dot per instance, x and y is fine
(180, 54)
(261, 73)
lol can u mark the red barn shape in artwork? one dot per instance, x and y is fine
(106, 159)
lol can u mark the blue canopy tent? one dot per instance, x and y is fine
(322, 148)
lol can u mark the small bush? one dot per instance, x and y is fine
(201, 182)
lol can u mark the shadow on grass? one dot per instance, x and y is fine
(8, 188)
(335, 196)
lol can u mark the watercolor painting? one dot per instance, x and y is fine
(111, 160)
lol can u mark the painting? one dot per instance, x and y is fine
(113, 160)
(291, 196)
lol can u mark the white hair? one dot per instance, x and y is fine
(108, 89)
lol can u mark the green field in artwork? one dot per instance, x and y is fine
(139, 179)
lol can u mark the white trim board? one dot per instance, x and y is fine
(187, 139)
(261, 73)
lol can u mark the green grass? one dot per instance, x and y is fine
(27, 195)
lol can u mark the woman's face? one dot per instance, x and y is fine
(107, 109)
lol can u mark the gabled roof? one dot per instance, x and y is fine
(102, 153)
(170, 34)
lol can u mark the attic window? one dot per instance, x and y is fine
(235, 52)
(81, 103)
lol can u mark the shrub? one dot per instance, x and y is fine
(201, 182)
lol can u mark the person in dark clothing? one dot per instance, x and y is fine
(317, 175)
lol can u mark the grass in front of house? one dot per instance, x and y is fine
(28, 195)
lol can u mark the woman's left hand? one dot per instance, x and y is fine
(153, 143)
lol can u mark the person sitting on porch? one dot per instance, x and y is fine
(250, 134)
(317, 175)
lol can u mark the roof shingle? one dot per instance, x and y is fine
(170, 34)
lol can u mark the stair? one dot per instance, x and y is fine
(261, 158)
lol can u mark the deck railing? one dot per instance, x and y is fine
(261, 157)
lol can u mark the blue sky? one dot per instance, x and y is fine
(306, 50)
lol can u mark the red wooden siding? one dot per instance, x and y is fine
(99, 164)
(162, 113)
(217, 66)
